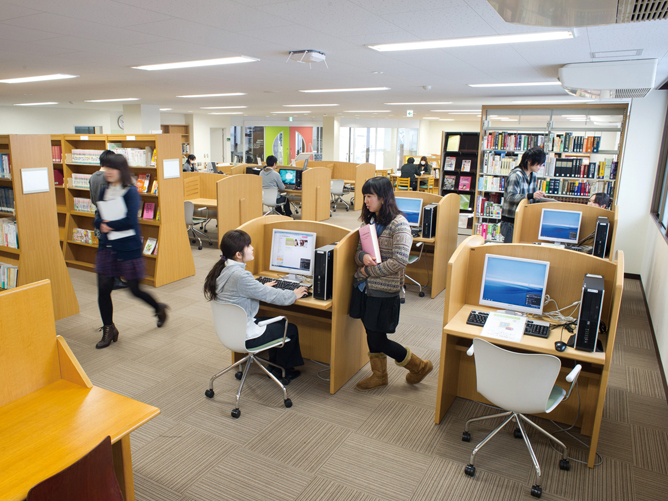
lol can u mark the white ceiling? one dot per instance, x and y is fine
(101, 40)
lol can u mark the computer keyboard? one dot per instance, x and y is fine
(284, 284)
(532, 328)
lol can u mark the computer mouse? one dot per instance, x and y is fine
(560, 346)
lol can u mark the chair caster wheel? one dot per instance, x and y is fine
(347, 209)
(421, 294)
(470, 470)
(285, 381)
(517, 433)
(210, 244)
(402, 300)
(565, 465)
(238, 375)
(288, 403)
(205, 230)
(192, 241)
(536, 491)
(466, 437)
(333, 210)
(235, 413)
(209, 393)
(199, 248)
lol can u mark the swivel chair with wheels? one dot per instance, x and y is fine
(412, 259)
(229, 322)
(191, 222)
(269, 196)
(523, 383)
(337, 193)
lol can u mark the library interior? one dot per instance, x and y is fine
(218, 223)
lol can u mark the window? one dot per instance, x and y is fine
(660, 201)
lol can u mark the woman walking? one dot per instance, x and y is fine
(122, 256)
(375, 297)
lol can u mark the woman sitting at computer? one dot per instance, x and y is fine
(375, 297)
(230, 282)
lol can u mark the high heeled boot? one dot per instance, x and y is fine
(417, 368)
(378, 375)
(109, 335)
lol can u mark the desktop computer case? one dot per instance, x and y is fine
(591, 304)
(429, 221)
(601, 237)
(298, 180)
(323, 273)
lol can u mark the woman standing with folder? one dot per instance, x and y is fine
(377, 283)
(120, 247)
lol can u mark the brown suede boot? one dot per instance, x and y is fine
(378, 377)
(417, 368)
(109, 335)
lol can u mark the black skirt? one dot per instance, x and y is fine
(379, 314)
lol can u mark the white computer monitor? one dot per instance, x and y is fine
(560, 226)
(412, 209)
(514, 283)
(292, 252)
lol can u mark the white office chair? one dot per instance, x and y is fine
(412, 259)
(269, 196)
(191, 222)
(229, 322)
(336, 187)
(523, 383)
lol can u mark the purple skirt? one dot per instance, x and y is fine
(107, 264)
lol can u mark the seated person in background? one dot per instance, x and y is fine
(229, 282)
(411, 170)
(189, 164)
(425, 168)
(272, 179)
(601, 200)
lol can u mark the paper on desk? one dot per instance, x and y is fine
(113, 210)
(504, 326)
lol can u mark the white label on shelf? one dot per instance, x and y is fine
(84, 138)
(130, 138)
(35, 180)
(171, 168)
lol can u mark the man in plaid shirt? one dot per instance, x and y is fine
(520, 184)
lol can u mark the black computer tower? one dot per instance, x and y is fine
(323, 272)
(298, 180)
(429, 221)
(601, 236)
(591, 304)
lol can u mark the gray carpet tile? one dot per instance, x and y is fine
(322, 489)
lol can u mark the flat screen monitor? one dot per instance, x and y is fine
(514, 283)
(211, 167)
(560, 226)
(412, 209)
(287, 176)
(292, 252)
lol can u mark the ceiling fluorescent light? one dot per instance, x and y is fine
(227, 113)
(34, 104)
(523, 84)
(290, 112)
(215, 95)
(306, 105)
(111, 100)
(430, 118)
(222, 107)
(473, 41)
(196, 64)
(455, 111)
(359, 89)
(165, 109)
(42, 78)
(368, 111)
(416, 104)
(446, 119)
(561, 101)
(463, 113)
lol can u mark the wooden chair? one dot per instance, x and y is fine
(428, 186)
(382, 173)
(404, 183)
(91, 478)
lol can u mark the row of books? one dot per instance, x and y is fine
(580, 168)
(491, 183)
(489, 231)
(57, 154)
(567, 142)
(8, 275)
(562, 187)
(83, 205)
(9, 237)
(513, 141)
(136, 157)
(496, 162)
(487, 208)
(147, 211)
(185, 148)
(90, 157)
(80, 181)
(5, 169)
(84, 236)
(449, 183)
(151, 246)
(143, 183)
(451, 162)
(7, 199)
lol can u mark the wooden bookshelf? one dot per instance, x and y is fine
(39, 255)
(182, 130)
(61, 200)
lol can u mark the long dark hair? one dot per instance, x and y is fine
(233, 241)
(120, 163)
(383, 189)
(532, 156)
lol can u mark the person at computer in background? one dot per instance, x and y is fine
(189, 164)
(272, 179)
(601, 200)
(411, 170)
(229, 282)
(425, 168)
(520, 184)
(375, 299)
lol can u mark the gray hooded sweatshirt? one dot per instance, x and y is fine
(236, 285)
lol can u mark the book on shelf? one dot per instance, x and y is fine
(136, 157)
(464, 220)
(5, 168)
(449, 183)
(150, 246)
(464, 183)
(149, 210)
(8, 276)
(140, 211)
(157, 214)
(489, 231)
(57, 154)
(84, 236)
(450, 163)
(154, 157)
(491, 183)
(498, 163)
(83, 205)
(58, 179)
(89, 157)
(453, 143)
(142, 183)
(80, 180)
(154, 187)
(9, 237)
(464, 202)
(369, 241)
(466, 165)
(7, 199)
(512, 141)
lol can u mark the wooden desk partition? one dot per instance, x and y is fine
(349, 171)
(567, 270)
(191, 184)
(239, 201)
(316, 194)
(362, 173)
(326, 332)
(527, 221)
(206, 182)
(50, 413)
(433, 265)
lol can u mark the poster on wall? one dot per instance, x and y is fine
(301, 140)
(277, 143)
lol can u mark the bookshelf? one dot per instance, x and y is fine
(184, 131)
(584, 146)
(173, 260)
(460, 149)
(39, 255)
(59, 184)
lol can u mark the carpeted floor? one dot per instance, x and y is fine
(380, 445)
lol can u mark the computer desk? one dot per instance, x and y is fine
(326, 333)
(238, 200)
(315, 193)
(457, 377)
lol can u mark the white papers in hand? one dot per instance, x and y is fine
(113, 210)
(504, 326)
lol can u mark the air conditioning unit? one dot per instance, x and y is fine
(609, 79)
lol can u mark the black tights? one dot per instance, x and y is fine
(105, 285)
(379, 343)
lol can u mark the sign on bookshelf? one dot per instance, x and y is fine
(35, 180)
(171, 168)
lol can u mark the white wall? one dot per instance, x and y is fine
(436, 129)
(655, 282)
(39, 120)
(172, 118)
(201, 133)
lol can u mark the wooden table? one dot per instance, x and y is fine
(203, 202)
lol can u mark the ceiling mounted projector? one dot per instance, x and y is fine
(610, 79)
(308, 56)
(575, 13)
